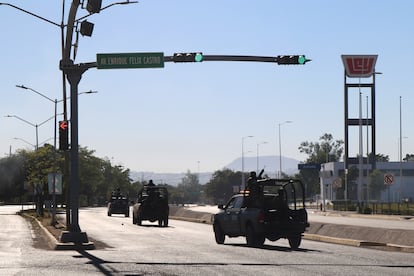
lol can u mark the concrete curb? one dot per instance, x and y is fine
(51, 240)
(54, 244)
(181, 213)
(196, 220)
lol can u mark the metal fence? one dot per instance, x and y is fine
(386, 208)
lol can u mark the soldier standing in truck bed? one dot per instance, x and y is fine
(255, 191)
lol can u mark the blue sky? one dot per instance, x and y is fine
(193, 116)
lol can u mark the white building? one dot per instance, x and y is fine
(399, 175)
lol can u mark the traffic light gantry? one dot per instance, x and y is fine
(199, 57)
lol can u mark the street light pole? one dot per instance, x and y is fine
(33, 125)
(73, 73)
(401, 182)
(55, 102)
(280, 148)
(242, 172)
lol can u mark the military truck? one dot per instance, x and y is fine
(118, 204)
(152, 205)
(276, 211)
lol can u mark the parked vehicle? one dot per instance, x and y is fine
(152, 205)
(276, 211)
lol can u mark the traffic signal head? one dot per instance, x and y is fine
(86, 28)
(188, 57)
(63, 135)
(297, 59)
(94, 6)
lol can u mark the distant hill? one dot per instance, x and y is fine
(269, 163)
(167, 178)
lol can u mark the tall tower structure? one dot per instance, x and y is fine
(362, 68)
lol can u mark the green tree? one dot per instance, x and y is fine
(12, 177)
(40, 163)
(376, 184)
(409, 158)
(326, 150)
(97, 177)
(90, 175)
(380, 157)
(221, 185)
(190, 187)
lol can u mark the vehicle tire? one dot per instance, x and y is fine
(253, 239)
(218, 233)
(294, 242)
(260, 239)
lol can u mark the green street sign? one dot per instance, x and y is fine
(130, 60)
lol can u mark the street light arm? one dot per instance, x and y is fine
(42, 123)
(32, 14)
(21, 119)
(16, 138)
(86, 92)
(110, 5)
(37, 92)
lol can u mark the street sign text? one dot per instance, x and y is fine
(130, 60)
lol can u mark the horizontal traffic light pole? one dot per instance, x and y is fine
(199, 57)
(157, 60)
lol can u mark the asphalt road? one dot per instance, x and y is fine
(183, 248)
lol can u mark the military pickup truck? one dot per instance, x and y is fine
(152, 205)
(276, 211)
(118, 204)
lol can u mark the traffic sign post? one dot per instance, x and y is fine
(130, 60)
(388, 179)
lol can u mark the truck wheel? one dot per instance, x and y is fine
(218, 233)
(260, 239)
(294, 242)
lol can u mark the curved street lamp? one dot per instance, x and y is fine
(55, 102)
(21, 139)
(74, 233)
(33, 125)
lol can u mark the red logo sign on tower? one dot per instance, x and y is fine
(359, 66)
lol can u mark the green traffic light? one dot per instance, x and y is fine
(302, 59)
(198, 57)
